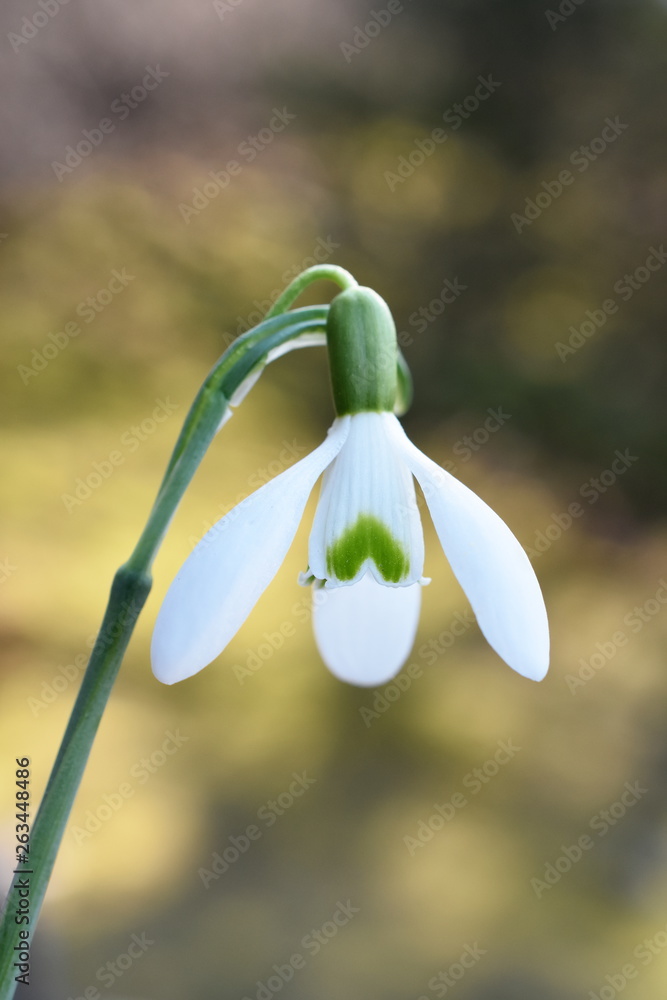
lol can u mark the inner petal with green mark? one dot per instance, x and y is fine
(368, 538)
(367, 519)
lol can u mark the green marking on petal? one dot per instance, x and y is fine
(369, 538)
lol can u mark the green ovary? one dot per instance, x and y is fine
(368, 538)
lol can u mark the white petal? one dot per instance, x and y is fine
(313, 339)
(490, 565)
(365, 632)
(225, 575)
(368, 486)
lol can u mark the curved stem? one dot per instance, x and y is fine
(208, 409)
(343, 278)
(129, 592)
(321, 272)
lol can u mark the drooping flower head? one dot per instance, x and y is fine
(366, 549)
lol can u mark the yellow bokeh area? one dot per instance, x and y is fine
(263, 828)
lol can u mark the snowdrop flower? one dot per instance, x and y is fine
(366, 549)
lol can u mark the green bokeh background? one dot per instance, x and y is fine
(596, 723)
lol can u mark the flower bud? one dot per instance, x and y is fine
(361, 340)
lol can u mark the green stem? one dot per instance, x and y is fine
(321, 272)
(129, 592)
(128, 595)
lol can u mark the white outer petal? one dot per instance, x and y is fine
(222, 579)
(490, 564)
(365, 631)
(369, 476)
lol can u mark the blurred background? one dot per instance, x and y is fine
(496, 171)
